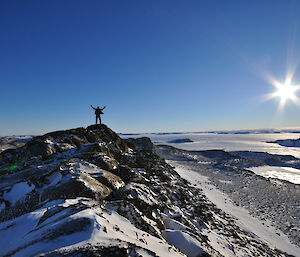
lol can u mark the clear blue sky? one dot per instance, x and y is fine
(157, 65)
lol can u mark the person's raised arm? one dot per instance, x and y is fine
(103, 108)
(93, 107)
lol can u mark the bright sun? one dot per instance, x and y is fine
(285, 91)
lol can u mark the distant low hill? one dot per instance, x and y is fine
(181, 140)
(288, 142)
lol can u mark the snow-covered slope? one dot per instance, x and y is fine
(266, 207)
(87, 192)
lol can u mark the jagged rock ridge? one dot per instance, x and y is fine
(86, 191)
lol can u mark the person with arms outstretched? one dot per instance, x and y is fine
(98, 112)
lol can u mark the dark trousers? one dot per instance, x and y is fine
(98, 117)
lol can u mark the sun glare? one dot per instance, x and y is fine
(284, 91)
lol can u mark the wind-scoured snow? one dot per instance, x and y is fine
(89, 226)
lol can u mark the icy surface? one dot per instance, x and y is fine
(229, 142)
(284, 173)
(247, 141)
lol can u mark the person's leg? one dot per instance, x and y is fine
(99, 119)
(96, 119)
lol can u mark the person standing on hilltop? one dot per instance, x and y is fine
(98, 112)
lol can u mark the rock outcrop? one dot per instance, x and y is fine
(87, 192)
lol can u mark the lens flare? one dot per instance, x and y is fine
(13, 167)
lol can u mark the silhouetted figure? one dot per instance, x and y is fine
(98, 112)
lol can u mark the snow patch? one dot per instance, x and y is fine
(174, 224)
(85, 167)
(184, 242)
(17, 192)
(220, 244)
(285, 173)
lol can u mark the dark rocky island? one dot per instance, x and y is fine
(181, 140)
(287, 142)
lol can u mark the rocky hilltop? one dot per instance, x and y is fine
(87, 192)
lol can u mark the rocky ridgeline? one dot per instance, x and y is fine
(87, 192)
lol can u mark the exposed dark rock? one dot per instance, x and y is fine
(287, 142)
(181, 140)
(142, 143)
(124, 172)
(105, 162)
(109, 179)
(60, 141)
